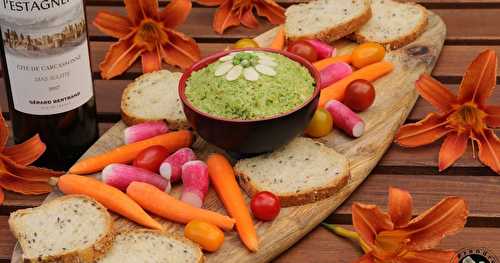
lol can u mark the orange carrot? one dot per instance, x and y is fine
(112, 198)
(321, 64)
(126, 153)
(279, 39)
(2, 196)
(162, 204)
(223, 179)
(370, 73)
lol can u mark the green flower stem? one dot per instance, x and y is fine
(353, 236)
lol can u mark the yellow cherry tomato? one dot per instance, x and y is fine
(320, 125)
(245, 43)
(207, 235)
(366, 54)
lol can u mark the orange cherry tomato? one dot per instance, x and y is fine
(207, 235)
(245, 43)
(366, 54)
(321, 124)
(359, 95)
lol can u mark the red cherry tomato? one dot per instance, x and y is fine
(359, 95)
(151, 158)
(303, 49)
(265, 206)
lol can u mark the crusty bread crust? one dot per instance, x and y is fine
(129, 119)
(300, 198)
(170, 235)
(401, 41)
(338, 31)
(87, 254)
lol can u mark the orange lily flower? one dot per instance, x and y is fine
(233, 12)
(460, 117)
(394, 237)
(149, 33)
(15, 174)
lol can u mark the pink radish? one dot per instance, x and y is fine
(195, 180)
(323, 50)
(334, 73)
(171, 168)
(345, 119)
(144, 131)
(121, 175)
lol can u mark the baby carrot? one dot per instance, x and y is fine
(370, 73)
(223, 179)
(279, 40)
(126, 153)
(162, 204)
(321, 64)
(112, 198)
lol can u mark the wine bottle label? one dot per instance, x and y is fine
(46, 51)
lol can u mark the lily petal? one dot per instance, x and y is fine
(493, 118)
(400, 206)
(112, 24)
(4, 133)
(367, 258)
(435, 93)
(120, 57)
(2, 196)
(134, 12)
(368, 221)
(271, 10)
(248, 19)
(453, 148)
(28, 173)
(151, 61)
(24, 187)
(175, 13)
(181, 50)
(225, 17)
(27, 152)
(479, 79)
(426, 131)
(429, 256)
(210, 2)
(428, 229)
(489, 149)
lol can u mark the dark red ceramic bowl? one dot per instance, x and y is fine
(250, 137)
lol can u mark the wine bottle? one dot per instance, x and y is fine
(47, 75)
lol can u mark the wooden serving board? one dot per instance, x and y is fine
(396, 97)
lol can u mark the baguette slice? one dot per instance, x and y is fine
(393, 24)
(72, 228)
(152, 246)
(154, 97)
(304, 171)
(327, 20)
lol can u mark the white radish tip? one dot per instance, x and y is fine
(192, 199)
(168, 188)
(107, 171)
(166, 170)
(358, 129)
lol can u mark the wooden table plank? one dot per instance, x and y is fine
(322, 246)
(473, 25)
(427, 190)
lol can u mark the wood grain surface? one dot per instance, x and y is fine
(396, 97)
(471, 28)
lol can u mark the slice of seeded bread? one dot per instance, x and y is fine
(72, 228)
(393, 24)
(304, 171)
(153, 97)
(152, 246)
(327, 20)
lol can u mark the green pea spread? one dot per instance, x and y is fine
(257, 92)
